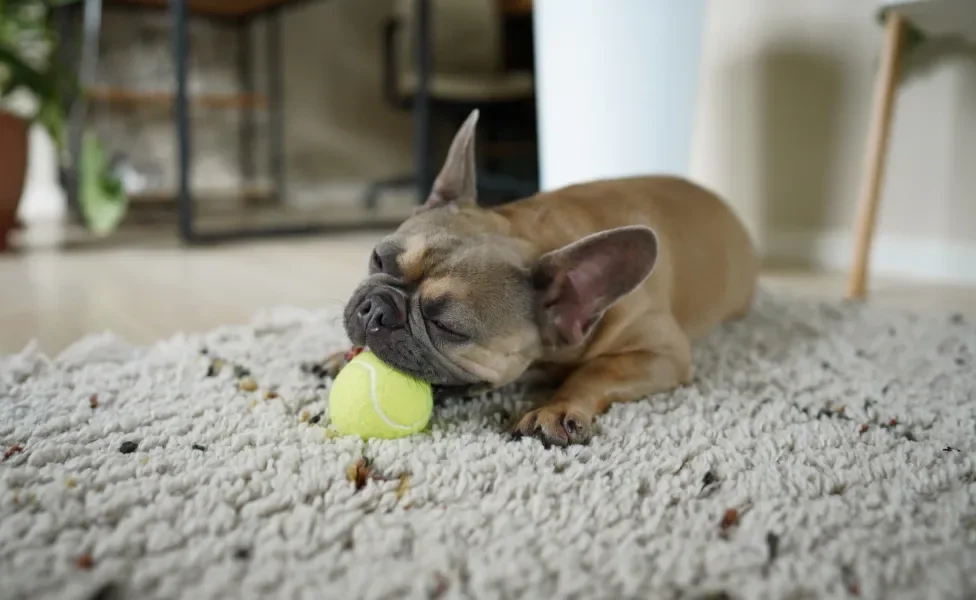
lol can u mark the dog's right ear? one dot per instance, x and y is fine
(579, 282)
(457, 182)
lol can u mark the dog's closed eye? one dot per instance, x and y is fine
(436, 313)
(448, 331)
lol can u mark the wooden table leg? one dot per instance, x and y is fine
(421, 99)
(886, 87)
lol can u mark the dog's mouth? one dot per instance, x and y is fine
(406, 356)
(443, 388)
(468, 390)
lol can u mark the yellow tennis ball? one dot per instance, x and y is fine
(373, 400)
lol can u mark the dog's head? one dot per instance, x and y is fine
(454, 298)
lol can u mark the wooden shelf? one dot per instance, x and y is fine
(213, 8)
(169, 196)
(123, 96)
(516, 7)
(243, 8)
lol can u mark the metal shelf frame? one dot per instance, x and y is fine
(180, 14)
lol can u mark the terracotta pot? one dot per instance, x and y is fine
(13, 170)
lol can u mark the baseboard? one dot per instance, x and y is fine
(904, 257)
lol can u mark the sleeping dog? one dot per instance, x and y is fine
(599, 287)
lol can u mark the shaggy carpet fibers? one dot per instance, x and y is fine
(824, 450)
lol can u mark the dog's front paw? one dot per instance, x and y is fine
(334, 363)
(557, 425)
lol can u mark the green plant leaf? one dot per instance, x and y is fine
(26, 75)
(57, 3)
(48, 87)
(27, 44)
(102, 197)
(51, 117)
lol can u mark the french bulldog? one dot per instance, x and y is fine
(598, 287)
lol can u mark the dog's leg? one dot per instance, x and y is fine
(335, 362)
(567, 418)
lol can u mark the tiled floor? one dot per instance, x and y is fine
(147, 293)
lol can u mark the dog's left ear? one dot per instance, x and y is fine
(579, 282)
(457, 182)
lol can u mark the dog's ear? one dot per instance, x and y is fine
(457, 181)
(576, 284)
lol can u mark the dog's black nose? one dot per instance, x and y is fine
(380, 311)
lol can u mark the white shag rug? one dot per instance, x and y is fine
(824, 451)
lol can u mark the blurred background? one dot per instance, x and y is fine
(299, 113)
(173, 134)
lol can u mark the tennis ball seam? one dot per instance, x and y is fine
(375, 400)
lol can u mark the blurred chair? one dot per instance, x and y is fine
(467, 49)
(904, 20)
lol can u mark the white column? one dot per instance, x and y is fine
(616, 84)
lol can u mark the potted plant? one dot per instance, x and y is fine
(13, 168)
(33, 87)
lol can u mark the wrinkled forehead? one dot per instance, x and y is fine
(473, 267)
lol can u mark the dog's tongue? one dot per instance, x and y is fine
(354, 352)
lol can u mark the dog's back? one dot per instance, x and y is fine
(707, 266)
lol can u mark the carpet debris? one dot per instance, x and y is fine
(772, 547)
(107, 591)
(247, 384)
(15, 449)
(717, 595)
(403, 486)
(215, 367)
(441, 585)
(730, 519)
(851, 583)
(359, 472)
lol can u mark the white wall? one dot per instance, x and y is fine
(781, 128)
